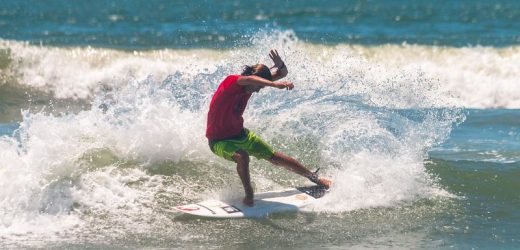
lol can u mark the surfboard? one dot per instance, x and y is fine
(266, 203)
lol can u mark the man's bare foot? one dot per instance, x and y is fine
(324, 182)
(248, 201)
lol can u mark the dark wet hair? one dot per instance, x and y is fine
(257, 70)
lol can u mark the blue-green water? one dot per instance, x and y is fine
(210, 24)
(410, 107)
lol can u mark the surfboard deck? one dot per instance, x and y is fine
(287, 200)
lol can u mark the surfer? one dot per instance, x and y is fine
(225, 128)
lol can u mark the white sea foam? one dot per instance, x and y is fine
(79, 73)
(57, 168)
(482, 77)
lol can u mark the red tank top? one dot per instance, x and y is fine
(226, 108)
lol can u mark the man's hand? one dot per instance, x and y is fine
(281, 68)
(285, 85)
(278, 62)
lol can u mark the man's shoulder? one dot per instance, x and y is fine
(231, 79)
(230, 83)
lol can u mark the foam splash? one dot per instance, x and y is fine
(367, 125)
(68, 165)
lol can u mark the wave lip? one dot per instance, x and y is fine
(476, 77)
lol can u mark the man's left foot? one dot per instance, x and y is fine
(322, 182)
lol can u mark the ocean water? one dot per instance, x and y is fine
(410, 107)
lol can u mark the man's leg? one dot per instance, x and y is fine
(242, 159)
(291, 164)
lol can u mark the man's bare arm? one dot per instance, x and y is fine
(259, 81)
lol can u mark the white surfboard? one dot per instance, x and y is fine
(288, 200)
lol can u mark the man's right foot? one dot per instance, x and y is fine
(248, 201)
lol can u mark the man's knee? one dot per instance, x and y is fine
(275, 159)
(241, 157)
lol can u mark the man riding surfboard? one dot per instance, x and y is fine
(225, 128)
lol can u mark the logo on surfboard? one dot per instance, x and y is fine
(230, 209)
(301, 197)
(187, 208)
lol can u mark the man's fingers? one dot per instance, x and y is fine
(288, 85)
(272, 57)
(274, 54)
(275, 57)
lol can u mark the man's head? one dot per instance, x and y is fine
(259, 70)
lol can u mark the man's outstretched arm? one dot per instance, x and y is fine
(261, 82)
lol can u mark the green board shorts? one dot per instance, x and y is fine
(248, 142)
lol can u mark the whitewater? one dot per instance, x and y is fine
(109, 140)
(135, 144)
